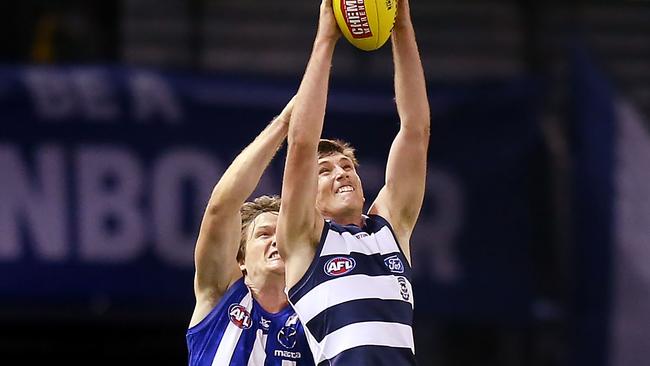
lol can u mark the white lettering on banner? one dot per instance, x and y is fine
(52, 94)
(99, 203)
(122, 208)
(37, 204)
(154, 98)
(87, 94)
(170, 173)
(96, 98)
(435, 236)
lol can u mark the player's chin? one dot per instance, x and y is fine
(276, 266)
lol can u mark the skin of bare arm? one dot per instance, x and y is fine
(299, 223)
(400, 200)
(219, 236)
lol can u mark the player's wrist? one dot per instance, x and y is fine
(328, 37)
(403, 24)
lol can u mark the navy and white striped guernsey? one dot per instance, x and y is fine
(238, 332)
(356, 299)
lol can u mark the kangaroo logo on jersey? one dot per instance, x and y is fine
(403, 288)
(265, 324)
(394, 264)
(240, 316)
(339, 266)
(287, 335)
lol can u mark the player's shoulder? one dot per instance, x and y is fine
(233, 300)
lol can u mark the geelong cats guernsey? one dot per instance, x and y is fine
(238, 332)
(356, 300)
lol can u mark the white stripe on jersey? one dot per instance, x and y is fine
(348, 288)
(231, 337)
(258, 354)
(381, 242)
(365, 334)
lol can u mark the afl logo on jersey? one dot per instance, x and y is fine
(339, 266)
(240, 316)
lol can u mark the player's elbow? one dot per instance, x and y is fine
(302, 134)
(302, 142)
(221, 205)
(417, 134)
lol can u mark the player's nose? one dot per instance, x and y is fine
(341, 173)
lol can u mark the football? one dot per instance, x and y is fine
(367, 24)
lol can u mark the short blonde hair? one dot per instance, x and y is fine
(249, 211)
(330, 147)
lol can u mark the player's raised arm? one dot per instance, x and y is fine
(401, 198)
(219, 236)
(299, 221)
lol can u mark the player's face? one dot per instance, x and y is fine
(339, 187)
(262, 256)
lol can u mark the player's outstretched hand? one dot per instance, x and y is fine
(403, 19)
(327, 27)
(285, 115)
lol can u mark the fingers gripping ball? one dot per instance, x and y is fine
(367, 24)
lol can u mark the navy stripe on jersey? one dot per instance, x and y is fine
(365, 310)
(364, 264)
(312, 267)
(315, 273)
(374, 224)
(372, 356)
(356, 297)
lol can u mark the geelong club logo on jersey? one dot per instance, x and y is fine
(394, 264)
(403, 288)
(339, 266)
(240, 316)
(287, 334)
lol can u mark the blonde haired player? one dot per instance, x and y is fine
(244, 321)
(348, 274)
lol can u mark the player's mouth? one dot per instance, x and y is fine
(344, 189)
(273, 255)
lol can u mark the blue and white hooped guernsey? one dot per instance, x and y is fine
(356, 299)
(238, 332)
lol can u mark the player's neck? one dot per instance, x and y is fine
(355, 218)
(269, 293)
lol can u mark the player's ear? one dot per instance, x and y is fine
(242, 267)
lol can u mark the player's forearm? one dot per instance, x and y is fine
(299, 182)
(307, 119)
(410, 85)
(242, 176)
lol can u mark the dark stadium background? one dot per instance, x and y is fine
(500, 78)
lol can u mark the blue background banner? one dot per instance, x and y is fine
(106, 171)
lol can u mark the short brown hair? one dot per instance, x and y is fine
(249, 211)
(330, 147)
